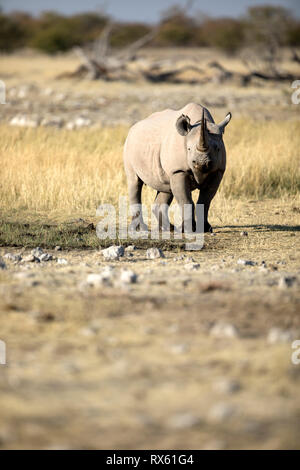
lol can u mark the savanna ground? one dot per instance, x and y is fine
(150, 364)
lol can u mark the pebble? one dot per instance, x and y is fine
(153, 253)
(62, 261)
(286, 281)
(224, 330)
(31, 259)
(12, 257)
(113, 252)
(37, 252)
(2, 263)
(277, 335)
(192, 266)
(244, 234)
(220, 412)
(46, 257)
(227, 386)
(97, 280)
(57, 248)
(130, 248)
(128, 277)
(183, 421)
(246, 262)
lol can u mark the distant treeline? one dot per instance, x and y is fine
(52, 32)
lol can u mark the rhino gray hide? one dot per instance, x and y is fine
(175, 152)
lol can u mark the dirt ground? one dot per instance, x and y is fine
(187, 357)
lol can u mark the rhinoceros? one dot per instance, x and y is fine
(175, 152)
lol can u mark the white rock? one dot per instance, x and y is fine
(2, 263)
(183, 421)
(113, 252)
(95, 280)
(224, 330)
(192, 266)
(277, 335)
(24, 121)
(227, 386)
(62, 261)
(12, 257)
(220, 412)
(246, 262)
(286, 281)
(52, 121)
(130, 248)
(37, 252)
(128, 277)
(45, 257)
(153, 253)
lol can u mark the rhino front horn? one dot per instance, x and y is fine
(203, 142)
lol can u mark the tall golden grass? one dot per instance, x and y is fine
(48, 169)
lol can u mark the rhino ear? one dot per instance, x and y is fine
(224, 123)
(183, 125)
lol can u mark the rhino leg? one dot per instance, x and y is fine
(181, 189)
(135, 185)
(162, 202)
(207, 192)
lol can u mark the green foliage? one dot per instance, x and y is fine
(12, 34)
(266, 26)
(125, 34)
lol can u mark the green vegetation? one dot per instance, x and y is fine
(267, 26)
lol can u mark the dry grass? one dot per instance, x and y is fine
(73, 171)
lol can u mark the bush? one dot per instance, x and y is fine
(12, 35)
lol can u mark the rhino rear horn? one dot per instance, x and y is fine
(183, 125)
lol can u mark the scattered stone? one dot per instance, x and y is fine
(57, 248)
(244, 234)
(13, 258)
(224, 330)
(62, 261)
(183, 421)
(2, 263)
(130, 248)
(46, 257)
(128, 277)
(24, 121)
(113, 252)
(277, 335)
(246, 262)
(154, 253)
(31, 259)
(180, 348)
(286, 281)
(78, 123)
(227, 386)
(96, 280)
(52, 121)
(220, 412)
(192, 266)
(37, 252)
